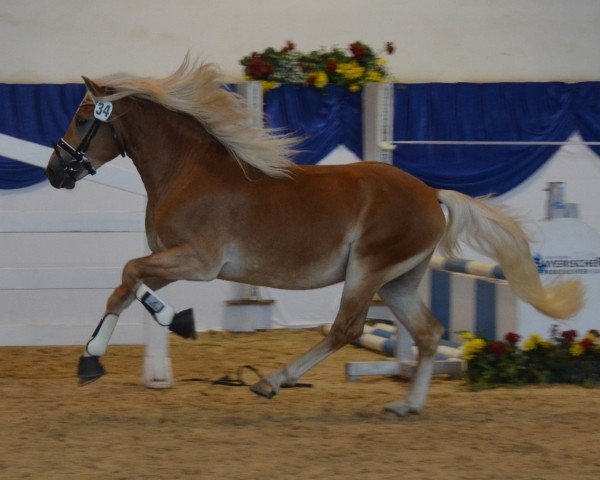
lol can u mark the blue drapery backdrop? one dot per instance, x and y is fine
(324, 118)
(533, 112)
(480, 112)
(530, 112)
(586, 108)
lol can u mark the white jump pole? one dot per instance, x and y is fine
(157, 371)
(378, 122)
(248, 309)
(490, 143)
(378, 145)
(404, 363)
(252, 94)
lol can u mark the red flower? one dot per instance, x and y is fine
(569, 335)
(512, 338)
(497, 348)
(258, 68)
(332, 65)
(289, 46)
(390, 48)
(587, 344)
(357, 50)
(311, 79)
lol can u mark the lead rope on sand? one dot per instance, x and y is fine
(238, 380)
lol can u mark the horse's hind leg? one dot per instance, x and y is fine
(402, 298)
(348, 326)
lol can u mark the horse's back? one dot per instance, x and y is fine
(370, 175)
(376, 187)
(397, 214)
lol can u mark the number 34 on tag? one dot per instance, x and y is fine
(103, 111)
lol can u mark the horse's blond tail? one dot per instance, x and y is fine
(494, 233)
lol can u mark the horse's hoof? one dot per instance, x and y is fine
(183, 324)
(89, 370)
(400, 409)
(264, 389)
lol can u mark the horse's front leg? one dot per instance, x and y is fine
(90, 368)
(140, 277)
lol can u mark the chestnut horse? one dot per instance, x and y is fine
(226, 201)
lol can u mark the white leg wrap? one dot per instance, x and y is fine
(96, 345)
(162, 312)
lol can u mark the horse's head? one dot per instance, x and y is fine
(90, 141)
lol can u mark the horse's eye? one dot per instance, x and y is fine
(81, 121)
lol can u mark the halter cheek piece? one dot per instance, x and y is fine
(77, 159)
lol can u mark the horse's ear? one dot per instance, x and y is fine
(92, 87)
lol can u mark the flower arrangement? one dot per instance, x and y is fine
(564, 358)
(349, 68)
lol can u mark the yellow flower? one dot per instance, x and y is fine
(374, 76)
(318, 79)
(467, 336)
(322, 80)
(268, 85)
(534, 341)
(472, 348)
(381, 61)
(351, 70)
(354, 87)
(592, 338)
(576, 349)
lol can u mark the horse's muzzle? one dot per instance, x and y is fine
(59, 179)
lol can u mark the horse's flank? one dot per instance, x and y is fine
(197, 90)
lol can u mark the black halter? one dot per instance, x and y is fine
(72, 166)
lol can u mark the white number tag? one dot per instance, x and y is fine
(103, 110)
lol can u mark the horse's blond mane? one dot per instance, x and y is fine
(197, 90)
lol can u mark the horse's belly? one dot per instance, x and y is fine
(300, 272)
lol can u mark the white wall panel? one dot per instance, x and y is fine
(90, 249)
(436, 40)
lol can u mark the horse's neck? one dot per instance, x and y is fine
(168, 147)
